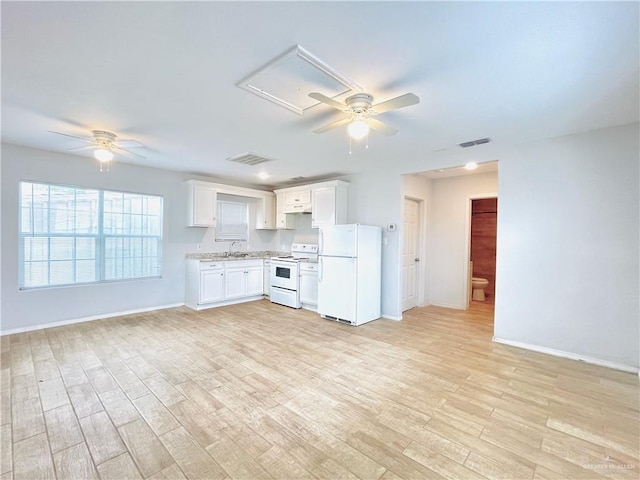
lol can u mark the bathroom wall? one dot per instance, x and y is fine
(484, 223)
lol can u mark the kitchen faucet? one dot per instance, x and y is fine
(235, 242)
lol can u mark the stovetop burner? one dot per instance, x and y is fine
(300, 252)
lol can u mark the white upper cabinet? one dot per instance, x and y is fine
(326, 201)
(284, 221)
(329, 205)
(297, 201)
(202, 204)
(266, 213)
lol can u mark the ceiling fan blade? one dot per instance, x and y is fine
(82, 148)
(383, 128)
(405, 100)
(126, 153)
(326, 128)
(72, 136)
(328, 101)
(128, 144)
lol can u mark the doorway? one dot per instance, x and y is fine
(410, 256)
(482, 223)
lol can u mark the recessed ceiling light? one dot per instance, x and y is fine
(263, 175)
(471, 166)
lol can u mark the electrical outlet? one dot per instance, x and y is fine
(391, 227)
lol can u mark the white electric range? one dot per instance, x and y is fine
(285, 274)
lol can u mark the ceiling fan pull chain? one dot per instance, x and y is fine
(349, 144)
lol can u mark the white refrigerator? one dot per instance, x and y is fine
(349, 266)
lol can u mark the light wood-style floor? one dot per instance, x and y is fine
(258, 391)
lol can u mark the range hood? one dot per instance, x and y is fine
(298, 208)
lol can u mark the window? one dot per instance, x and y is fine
(233, 221)
(71, 235)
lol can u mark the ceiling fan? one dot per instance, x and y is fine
(360, 111)
(105, 145)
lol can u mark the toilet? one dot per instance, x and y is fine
(478, 285)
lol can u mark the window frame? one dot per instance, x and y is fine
(99, 239)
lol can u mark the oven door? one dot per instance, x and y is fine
(284, 274)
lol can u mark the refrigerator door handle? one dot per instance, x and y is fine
(320, 269)
(320, 242)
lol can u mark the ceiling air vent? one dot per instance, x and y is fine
(473, 143)
(250, 158)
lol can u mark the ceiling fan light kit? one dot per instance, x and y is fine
(358, 129)
(105, 145)
(103, 155)
(360, 111)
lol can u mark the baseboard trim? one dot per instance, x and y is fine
(86, 319)
(446, 305)
(571, 356)
(390, 317)
(225, 303)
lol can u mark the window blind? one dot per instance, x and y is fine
(232, 222)
(71, 235)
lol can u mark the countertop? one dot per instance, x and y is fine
(220, 256)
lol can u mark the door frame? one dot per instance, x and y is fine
(467, 243)
(421, 297)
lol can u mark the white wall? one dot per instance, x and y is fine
(23, 309)
(376, 199)
(568, 242)
(303, 232)
(448, 237)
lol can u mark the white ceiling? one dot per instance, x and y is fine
(165, 73)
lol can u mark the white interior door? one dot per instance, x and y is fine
(410, 254)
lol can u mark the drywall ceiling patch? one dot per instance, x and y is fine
(288, 80)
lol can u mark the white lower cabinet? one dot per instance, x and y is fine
(234, 283)
(309, 285)
(211, 284)
(244, 281)
(254, 280)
